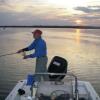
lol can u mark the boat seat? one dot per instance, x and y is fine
(57, 65)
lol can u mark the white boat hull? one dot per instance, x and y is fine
(85, 90)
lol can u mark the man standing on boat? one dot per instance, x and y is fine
(39, 45)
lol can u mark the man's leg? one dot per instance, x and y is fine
(41, 67)
(44, 68)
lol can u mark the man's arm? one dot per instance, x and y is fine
(40, 52)
(30, 47)
(30, 56)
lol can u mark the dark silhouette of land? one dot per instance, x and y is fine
(50, 26)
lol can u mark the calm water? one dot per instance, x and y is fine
(80, 47)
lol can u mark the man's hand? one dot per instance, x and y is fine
(26, 57)
(19, 51)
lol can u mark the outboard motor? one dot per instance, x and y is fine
(57, 65)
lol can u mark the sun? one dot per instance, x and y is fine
(78, 21)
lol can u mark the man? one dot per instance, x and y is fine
(39, 45)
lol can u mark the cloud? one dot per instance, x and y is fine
(25, 18)
(22, 2)
(90, 16)
(96, 6)
(28, 18)
(43, 14)
(32, 15)
(89, 9)
(3, 1)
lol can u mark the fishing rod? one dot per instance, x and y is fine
(13, 53)
(8, 54)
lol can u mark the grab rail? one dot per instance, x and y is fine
(69, 74)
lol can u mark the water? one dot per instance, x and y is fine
(80, 47)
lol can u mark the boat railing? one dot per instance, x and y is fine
(66, 74)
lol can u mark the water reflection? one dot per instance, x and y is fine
(77, 36)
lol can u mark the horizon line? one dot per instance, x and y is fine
(50, 26)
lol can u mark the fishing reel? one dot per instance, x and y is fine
(23, 53)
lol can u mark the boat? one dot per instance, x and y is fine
(61, 85)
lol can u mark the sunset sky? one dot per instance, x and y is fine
(50, 12)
